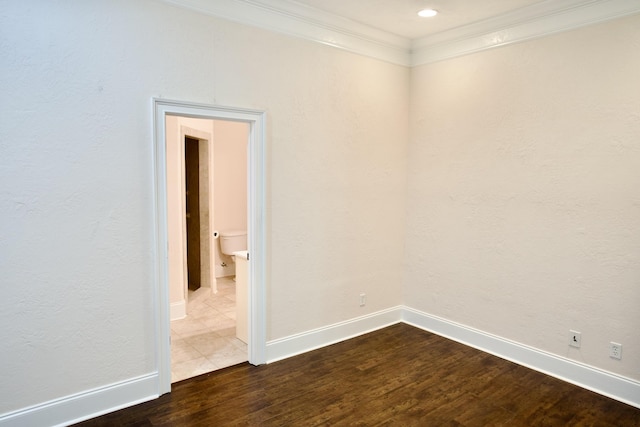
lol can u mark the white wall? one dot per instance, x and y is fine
(76, 180)
(524, 193)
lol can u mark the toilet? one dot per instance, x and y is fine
(233, 241)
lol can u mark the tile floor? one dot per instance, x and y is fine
(206, 339)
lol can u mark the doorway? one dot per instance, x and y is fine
(207, 334)
(256, 228)
(192, 212)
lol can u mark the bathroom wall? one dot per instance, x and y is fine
(76, 181)
(205, 165)
(524, 193)
(230, 184)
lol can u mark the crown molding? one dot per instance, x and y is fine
(301, 21)
(535, 21)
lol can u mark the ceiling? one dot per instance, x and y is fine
(400, 17)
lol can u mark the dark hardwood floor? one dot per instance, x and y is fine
(398, 376)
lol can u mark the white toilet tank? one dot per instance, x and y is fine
(232, 241)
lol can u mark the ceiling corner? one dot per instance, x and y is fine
(301, 21)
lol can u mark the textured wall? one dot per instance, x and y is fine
(524, 192)
(76, 181)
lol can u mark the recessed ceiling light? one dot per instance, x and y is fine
(427, 13)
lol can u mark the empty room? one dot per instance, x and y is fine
(429, 200)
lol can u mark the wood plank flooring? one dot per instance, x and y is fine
(397, 376)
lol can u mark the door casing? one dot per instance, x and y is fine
(256, 238)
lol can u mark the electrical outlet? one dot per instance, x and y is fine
(615, 350)
(363, 300)
(575, 339)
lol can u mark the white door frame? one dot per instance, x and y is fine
(256, 241)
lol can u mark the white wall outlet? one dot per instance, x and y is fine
(363, 300)
(615, 350)
(575, 339)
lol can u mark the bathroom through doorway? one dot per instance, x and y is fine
(206, 317)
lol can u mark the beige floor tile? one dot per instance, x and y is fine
(220, 322)
(227, 332)
(188, 326)
(206, 339)
(181, 351)
(227, 359)
(207, 344)
(240, 345)
(191, 368)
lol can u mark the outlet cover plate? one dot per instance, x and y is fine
(575, 339)
(615, 350)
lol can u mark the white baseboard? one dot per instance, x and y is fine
(178, 310)
(227, 271)
(82, 406)
(301, 343)
(596, 380)
(606, 383)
